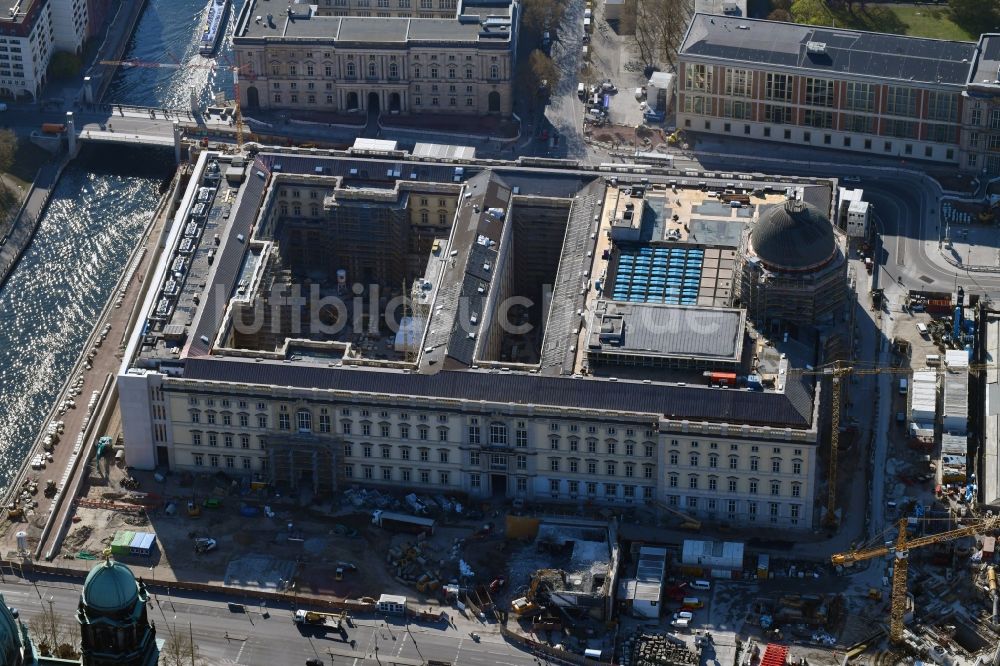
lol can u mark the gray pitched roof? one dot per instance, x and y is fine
(854, 52)
(792, 409)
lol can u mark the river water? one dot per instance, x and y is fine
(168, 33)
(96, 216)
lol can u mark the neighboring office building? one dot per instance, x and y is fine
(70, 23)
(293, 58)
(26, 44)
(980, 146)
(871, 93)
(548, 414)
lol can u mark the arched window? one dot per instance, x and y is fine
(372, 70)
(351, 72)
(494, 72)
(393, 70)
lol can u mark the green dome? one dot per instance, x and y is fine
(110, 587)
(10, 636)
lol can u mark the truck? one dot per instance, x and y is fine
(53, 128)
(400, 522)
(332, 620)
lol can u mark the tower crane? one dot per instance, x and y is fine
(235, 69)
(838, 371)
(900, 551)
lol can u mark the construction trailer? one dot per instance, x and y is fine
(715, 559)
(392, 604)
(642, 594)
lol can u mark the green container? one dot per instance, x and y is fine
(122, 542)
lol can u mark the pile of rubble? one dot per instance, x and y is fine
(364, 498)
(651, 648)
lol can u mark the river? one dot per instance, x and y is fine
(97, 212)
(168, 33)
(49, 303)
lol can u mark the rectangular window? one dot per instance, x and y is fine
(863, 124)
(736, 109)
(860, 97)
(698, 77)
(739, 83)
(819, 92)
(781, 115)
(901, 101)
(942, 106)
(696, 104)
(821, 119)
(903, 129)
(943, 133)
(777, 87)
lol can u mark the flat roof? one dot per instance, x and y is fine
(986, 69)
(843, 52)
(657, 330)
(276, 23)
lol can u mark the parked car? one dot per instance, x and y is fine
(701, 585)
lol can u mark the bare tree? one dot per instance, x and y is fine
(543, 69)
(180, 650)
(8, 149)
(56, 635)
(659, 27)
(539, 15)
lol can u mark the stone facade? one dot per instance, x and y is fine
(398, 65)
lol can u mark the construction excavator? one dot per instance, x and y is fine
(900, 551)
(529, 605)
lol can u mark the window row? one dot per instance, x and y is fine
(713, 461)
(559, 487)
(733, 485)
(402, 474)
(734, 508)
(228, 462)
(228, 440)
(385, 452)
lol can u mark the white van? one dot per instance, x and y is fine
(700, 585)
(922, 328)
(933, 360)
(581, 90)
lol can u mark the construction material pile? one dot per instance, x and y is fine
(646, 648)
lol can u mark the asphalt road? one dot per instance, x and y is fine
(249, 638)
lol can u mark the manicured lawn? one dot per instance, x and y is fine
(930, 21)
(915, 20)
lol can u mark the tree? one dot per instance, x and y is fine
(540, 15)
(813, 12)
(659, 28)
(56, 636)
(543, 69)
(8, 149)
(180, 650)
(65, 65)
(779, 15)
(975, 15)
